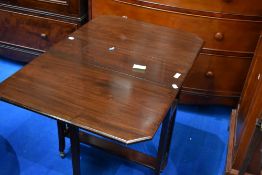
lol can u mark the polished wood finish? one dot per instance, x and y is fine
(29, 27)
(201, 98)
(205, 75)
(157, 163)
(31, 31)
(219, 34)
(252, 157)
(119, 150)
(12, 51)
(66, 7)
(236, 7)
(88, 81)
(229, 29)
(250, 90)
(231, 141)
(248, 112)
(77, 63)
(253, 153)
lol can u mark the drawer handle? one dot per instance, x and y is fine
(209, 74)
(219, 36)
(43, 35)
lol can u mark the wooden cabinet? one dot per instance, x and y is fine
(230, 29)
(245, 118)
(242, 7)
(30, 27)
(208, 70)
(32, 31)
(218, 33)
(66, 7)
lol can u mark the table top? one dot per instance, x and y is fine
(89, 79)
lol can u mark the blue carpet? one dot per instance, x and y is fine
(29, 144)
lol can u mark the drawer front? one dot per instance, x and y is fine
(219, 34)
(243, 7)
(31, 31)
(204, 99)
(213, 75)
(67, 7)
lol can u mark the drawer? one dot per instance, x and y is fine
(31, 31)
(218, 33)
(217, 75)
(243, 7)
(205, 99)
(66, 7)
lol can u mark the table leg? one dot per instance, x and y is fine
(169, 137)
(75, 148)
(61, 126)
(165, 140)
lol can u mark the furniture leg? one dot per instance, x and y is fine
(61, 127)
(165, 140)
(169, 137)
(255, 141)
(75, 148)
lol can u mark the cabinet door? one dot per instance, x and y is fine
(250, 109)
(251, 90)
(66, 7)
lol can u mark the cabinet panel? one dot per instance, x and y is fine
(66, 7)
(230, 31)
(246, 131)
(31, 31)
(217, 75)
(250, 88)
(243, 7)
(29, 27)
(218, 34)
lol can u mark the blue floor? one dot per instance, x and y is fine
(29, 144)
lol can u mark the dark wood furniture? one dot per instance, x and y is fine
(230, 29)
(245, 120)
(89, 81)
(30, 27)
(253, 150)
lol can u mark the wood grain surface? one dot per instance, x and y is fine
(90, 81)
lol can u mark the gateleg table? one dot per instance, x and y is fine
(114, 77)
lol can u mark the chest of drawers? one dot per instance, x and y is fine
(30, 27)
(230, 29)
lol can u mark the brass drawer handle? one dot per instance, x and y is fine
(43, 35)
(219, 36)
(209, 74)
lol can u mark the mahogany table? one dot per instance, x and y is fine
(114, 77)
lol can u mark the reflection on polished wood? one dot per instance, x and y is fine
(115, 77)
(89, 82)
(230, 29)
